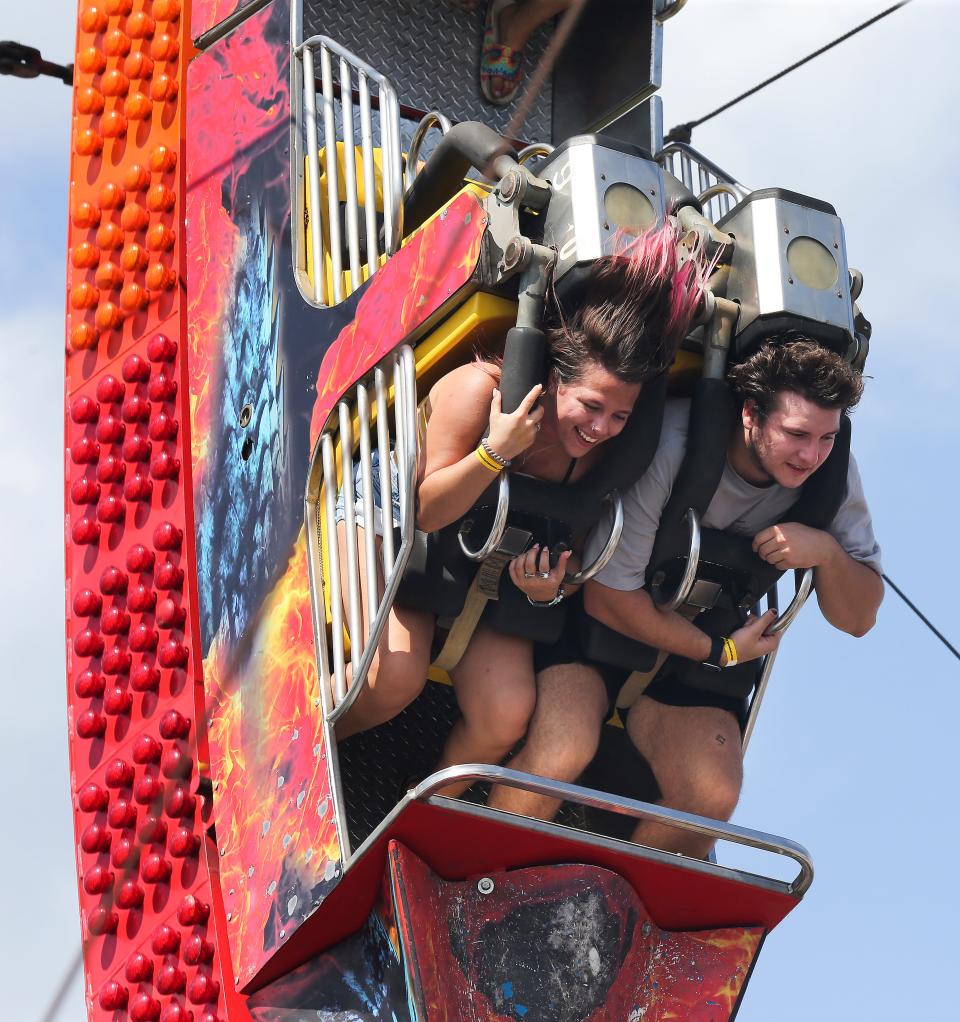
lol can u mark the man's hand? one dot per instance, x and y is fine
(791, 545)
(751, 640)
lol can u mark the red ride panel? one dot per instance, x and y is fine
(568, 941)
(136, 744)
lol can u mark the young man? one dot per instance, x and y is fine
(792, 395)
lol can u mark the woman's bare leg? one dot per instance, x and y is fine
(497, 693)
(398, 671)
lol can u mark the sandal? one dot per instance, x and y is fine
(497, 60)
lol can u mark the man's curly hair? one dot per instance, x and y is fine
(795, 363)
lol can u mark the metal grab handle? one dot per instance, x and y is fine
(670, 10)
(610, 547)
(720, 188)
(430, 120)
(799, 599)
(693, 560)
(534, 150)
(498, 527)
(625, 807)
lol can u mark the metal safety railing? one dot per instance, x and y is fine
(361, 563)
(433, 119)
(717, 190)
(344, 225)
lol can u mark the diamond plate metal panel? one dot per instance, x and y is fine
(431, 51)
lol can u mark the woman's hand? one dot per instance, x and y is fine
(510, 435)
(532, 574)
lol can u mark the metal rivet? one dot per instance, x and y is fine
(229, 916)
(786, 230)
(789, 280)
(653, 191)
(283, 933)
(485, 885)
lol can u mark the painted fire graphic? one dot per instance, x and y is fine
(251, 393)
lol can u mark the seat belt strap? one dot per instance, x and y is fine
(484, 587)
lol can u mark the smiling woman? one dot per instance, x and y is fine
(624, 331)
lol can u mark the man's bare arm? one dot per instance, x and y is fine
(634, 614)
(849, 593)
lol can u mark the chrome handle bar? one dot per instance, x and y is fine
(800, 597)
(693, 560)
(609, 548)
(625, 807)
(498, 527)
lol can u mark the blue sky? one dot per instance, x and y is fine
(853, 754)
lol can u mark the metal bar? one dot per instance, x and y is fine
(800, 597)
(429, 120)
(313, 176)
(585, 839)
(765, 672)
(319, 619)
(350, 529)
(405, 429)
(333, 174)
(399, 418)
(670, 10)
(229, 23)
(394, 180)
(609, 548)
(369, 525)
(341, 51)
(686, 170)
(332, 573)
(383, 449)
(352, 207)
(496, 529)
(693, 560)
(369, 177)
(625, 807)
(408, 462)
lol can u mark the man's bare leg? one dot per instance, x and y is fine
(695, 754)
(563, 736)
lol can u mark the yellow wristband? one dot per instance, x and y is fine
(487, 461)
(731, 651)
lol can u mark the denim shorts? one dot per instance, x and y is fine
(377, 496)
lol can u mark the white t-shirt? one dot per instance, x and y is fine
(737, 506)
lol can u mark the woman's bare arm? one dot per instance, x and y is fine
(463, 403)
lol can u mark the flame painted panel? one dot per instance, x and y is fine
(254, 351)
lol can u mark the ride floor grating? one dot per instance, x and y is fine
(430, 50)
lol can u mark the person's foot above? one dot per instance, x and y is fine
(501, 59)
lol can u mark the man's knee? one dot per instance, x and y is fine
(712, 791)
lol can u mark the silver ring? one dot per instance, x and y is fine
(529, 574)
(543, 574)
